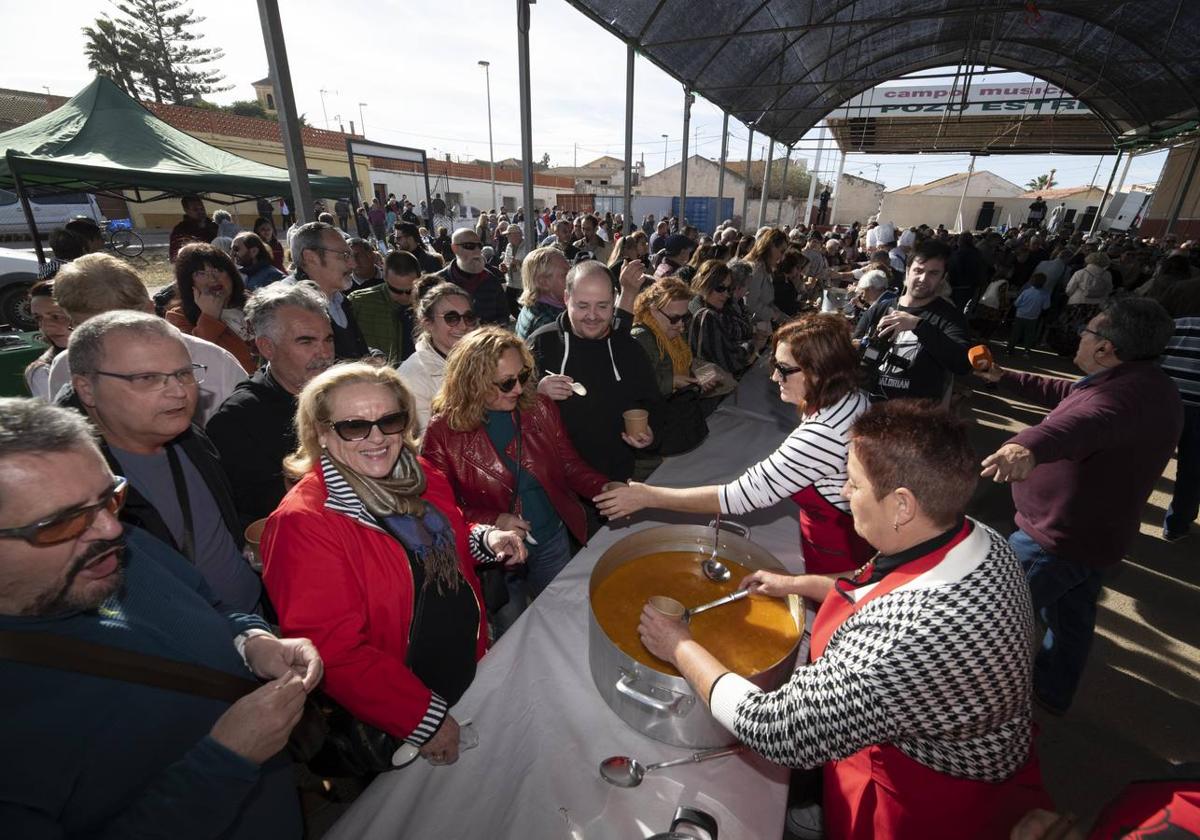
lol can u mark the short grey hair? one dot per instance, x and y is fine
(264, 309)
(85, 352)
(308, 238)
(30, 426)
(222, 216)
(585, 269)
(1139, 328)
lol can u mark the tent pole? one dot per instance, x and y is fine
(837, 190)
(1104, 198)
(814, 176)
(428, 197)
(766, 188)
(746, 183)
(628, 205)
(688, 99)
(293, 143)
(28, 210)
(787, 161)
(1187, 185)
(724, 155)
(526, 118)
(959, 222)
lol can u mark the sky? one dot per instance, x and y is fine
(414, 65)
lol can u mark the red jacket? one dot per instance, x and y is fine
(484, 486)
(348, 586)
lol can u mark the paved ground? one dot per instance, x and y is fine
(1138, 708)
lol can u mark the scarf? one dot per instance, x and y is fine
(677, 348)
(419, 526)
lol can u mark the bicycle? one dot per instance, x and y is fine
(121, 238)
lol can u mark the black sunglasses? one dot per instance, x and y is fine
(784, 371)
(69, 524)
(470, 246)
(721, 290)
(452, 318)
(396, 291)
(506, 385)
(673, 319)
(389, 424)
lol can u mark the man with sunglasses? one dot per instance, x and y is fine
(384, 312)
(408, 238)
(134, 378)
(470, 271)
(76, 587)
(323, 257)
(1083, 475)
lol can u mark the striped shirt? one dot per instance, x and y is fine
(1181, 359)
(814, 454)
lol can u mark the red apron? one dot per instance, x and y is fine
(827, 536)
(879, 793)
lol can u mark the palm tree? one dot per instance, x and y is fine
(1041, 182)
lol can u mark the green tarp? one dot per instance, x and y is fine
(102, 140)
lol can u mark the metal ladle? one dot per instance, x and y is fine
(720, 602)
(626, 772)
(713, 568)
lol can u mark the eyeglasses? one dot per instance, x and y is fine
(784, 371)
(452, 318)
(346, 255)
(721, 290)
(352, 430)
(506, 385)
(672, 319)
(469, 246)
(1101, 336)
(396, 291)
(147, 382)
(69, 524)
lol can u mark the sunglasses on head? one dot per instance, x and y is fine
(452, 318)
(784, 371)
(357, 429)
(506, 385)
(672, 319)
(470, 246)
(69, 524)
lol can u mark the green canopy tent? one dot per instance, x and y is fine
(102, 141)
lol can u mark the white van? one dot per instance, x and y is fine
(49, 211)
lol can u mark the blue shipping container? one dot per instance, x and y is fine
(704, 213)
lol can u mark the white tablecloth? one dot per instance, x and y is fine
(543, 728)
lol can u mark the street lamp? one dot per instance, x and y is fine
(362, 121)
(487, 74)
(664, 137)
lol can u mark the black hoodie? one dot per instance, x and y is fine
(618, 377)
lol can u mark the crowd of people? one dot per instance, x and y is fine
(416, 433)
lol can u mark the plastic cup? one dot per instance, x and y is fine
(637, 422)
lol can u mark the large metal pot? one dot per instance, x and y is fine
(657, 704)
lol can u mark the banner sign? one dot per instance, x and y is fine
(992, 98)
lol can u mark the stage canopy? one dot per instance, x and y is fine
(781, 66)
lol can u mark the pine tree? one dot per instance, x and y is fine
(160, 52)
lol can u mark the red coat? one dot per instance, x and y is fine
(484, 486)
(349, 588)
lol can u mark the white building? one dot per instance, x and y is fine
(464, 184)
(991, 201)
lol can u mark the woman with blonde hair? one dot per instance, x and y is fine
(544, 278)
(659, 323)
(442, 316)
(764, 257)
(371, 556)
(507, 456)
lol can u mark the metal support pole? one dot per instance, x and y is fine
(962, 225)
(353, 174)
(1187, 185)
(19, 186)
(1104, 198)
(766, 191)
(526, 118)
(428, 196)
(487, 76)
(1124, 171)
(289, 126)
(724, 155)
(787, 161)
(688, 99)
(837, 190)
(630, 54)
(746, 183)
(814, 175)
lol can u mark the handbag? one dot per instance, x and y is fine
(331, 741)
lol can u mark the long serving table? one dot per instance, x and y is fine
(543, 728)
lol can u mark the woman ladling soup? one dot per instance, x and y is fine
(370, 554)
(817, 371)
(917, 699)
(506, 453)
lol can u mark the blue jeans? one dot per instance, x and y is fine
(1186, 502)
(544, 561)
(1064, 597)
